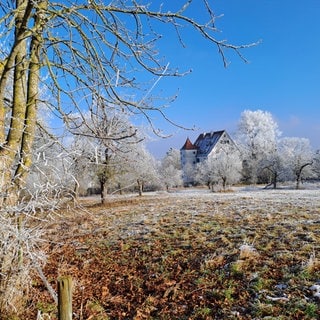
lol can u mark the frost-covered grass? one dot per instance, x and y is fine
(249, 253)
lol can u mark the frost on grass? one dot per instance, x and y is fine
(248, 251)
(192, 254)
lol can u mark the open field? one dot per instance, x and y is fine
(190, 254)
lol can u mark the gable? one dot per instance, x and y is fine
(207, 141)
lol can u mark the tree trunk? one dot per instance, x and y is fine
(140, 187)
(17, 140)
(275, 180)
(32, 99)
(103, 190)
(299, 174)
(120, 189)
(224, 183)
(13, 139)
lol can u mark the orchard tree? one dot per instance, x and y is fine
(201, 174)
(274, 167)
(84, 155)
(79, 50)
(223, 168)
(258, 136)
(170, 169)
(99, 157)
(139, 169)
(298, 156)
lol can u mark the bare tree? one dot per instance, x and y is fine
(81, 50)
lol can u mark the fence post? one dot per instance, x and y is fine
(65, 298)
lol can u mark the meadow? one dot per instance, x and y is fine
(249, 253)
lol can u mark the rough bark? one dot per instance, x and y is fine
(16, 142)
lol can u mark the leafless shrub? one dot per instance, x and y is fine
(19, 252)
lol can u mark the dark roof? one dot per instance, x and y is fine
(207, 141)
(188, 145)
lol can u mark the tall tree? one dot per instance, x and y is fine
(298, 155)
(81, 50)
(258, 135)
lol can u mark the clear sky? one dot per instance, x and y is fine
(282, 76)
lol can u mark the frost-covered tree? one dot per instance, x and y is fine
(140, 168)
(202, 176)
(316, 164)
(298, 156)
(98, 158)
(21, 224)
(258, 136)
(170, 169)
(223, 168)
(273, 168)
(50, 172)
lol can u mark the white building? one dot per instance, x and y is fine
(206, 145)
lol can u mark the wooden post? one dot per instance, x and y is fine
(65, 298)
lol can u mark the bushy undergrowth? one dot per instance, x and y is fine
(250, 255)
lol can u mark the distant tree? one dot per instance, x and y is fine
(202, 176)
(98, 156)
(189, 174)
(141, 168)
(316, 164)
(84, 157)
(274, 167)
(298, 156)
(170, 169)
(257, 136)
(223, 168)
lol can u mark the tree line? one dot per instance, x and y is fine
(261, 156)
(86, 166)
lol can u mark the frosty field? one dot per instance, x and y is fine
(189, 254)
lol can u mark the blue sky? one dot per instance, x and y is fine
(282, 76)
